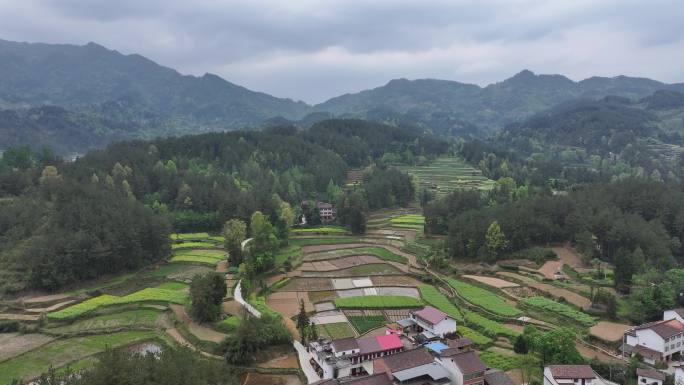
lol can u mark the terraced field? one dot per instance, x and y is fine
(446, 174)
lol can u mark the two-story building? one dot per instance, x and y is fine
(679, 374)
(431, 322)
(464, 366)
(573, 375)
(415, 366)
(351, 356)
(656, 341)
(649, 377)
(326, 211)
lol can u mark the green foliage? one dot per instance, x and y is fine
(378, 302)
(189, 236)
(131, 319)
(84, 307)
(207, 257)
(206, 294)
(432, 296)
(241, 347)
(336, 330)
(559, 308)
(377, 251)
(483, 298)
(234, 233)
(36, 361)
(487, 326)
(192, 245)
(363, 324)
(500, 361)
(556, 346)
(478, 339)
(322, 230)
(446, 174)
(229, 325)
(173, 366)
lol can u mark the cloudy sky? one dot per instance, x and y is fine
(313, 50)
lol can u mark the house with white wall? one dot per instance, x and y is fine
(657, 341)
(432, 322)
(649, 377)
(679, 374)
(464, 366)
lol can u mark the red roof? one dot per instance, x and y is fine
(388, 342)
(431, 315)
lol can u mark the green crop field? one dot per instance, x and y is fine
(487, 326)
(189, 236)
(144, 295)
(483, 298)
(447, 174)
(229, 324)
(208, 257)
(500, 361)
(478, 339)
(362, 324)
(432, 296)
(322, 241)
(147, 318)
(559, 308)
(357, 271)
(323, 230)
(336, 331)
(378, 302)
(64, 351)
(192, 245)
(377, 251)
(172, 286)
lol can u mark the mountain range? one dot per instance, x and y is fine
(73, 98)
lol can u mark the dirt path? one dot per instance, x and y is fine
(609, 331)
(202, 332)
(49, 309)
(569, 256)
(491, 281)
(173, 333)
(589, 353)
(43, 298)
(550, 268)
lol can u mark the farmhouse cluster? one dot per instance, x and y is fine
(659, 341)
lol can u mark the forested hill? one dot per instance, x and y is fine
(616, 135)
(113, 209)
(458, 108)
(130, 88)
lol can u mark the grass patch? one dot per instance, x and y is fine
(478, 339)
(189, 236)
(446, 174)
(336, 331)
(377, 251)
(192, 245)
(362, 324)
(208, 257)
(483, 298)
(323, 230)
(287, 253)
(62, 352)
(378, 302)
(145, 295)
(133, 318)
(322, 296)
(500, 361)
(488, 327)
(229, 325)
(172, 286)
(559, 308)
(434, 297)
(280, 284)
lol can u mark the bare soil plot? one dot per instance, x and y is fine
(516, 376)
(518, 277)
(569, 256)
(285, 361)
(48, 309)
(271, 379)
(19, 317)
(342, 284)
(32, 299)
(517, 263)
(515, 327)
(340, 263)
(609, 331)
(395, 280)
(222, 266)
(550, 268)
(350, 293)
(324, 306)
(557, 292)
(308, 284)
(14, 344)
(287, 302)
(356, 271)
(404, 291)
(589, 353)
(202, 332)
(492, 281)
(329, 319)
(322, 296)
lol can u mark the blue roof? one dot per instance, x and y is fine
(436, 346)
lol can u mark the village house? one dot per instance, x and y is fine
(351, 356)
(649, 377)
(657, 341)
(464, 366)
(415, 366)
(679, 374)
(326, 211)
(430, 322)
(573, 375)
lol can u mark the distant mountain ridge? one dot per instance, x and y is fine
(104, 95)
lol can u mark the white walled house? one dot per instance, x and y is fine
(570, 375)
(464, 367)
(679, 374)
(649, 377)
(656, 341)
(433, 321)
(677, 314)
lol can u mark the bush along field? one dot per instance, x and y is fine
(488, 327)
